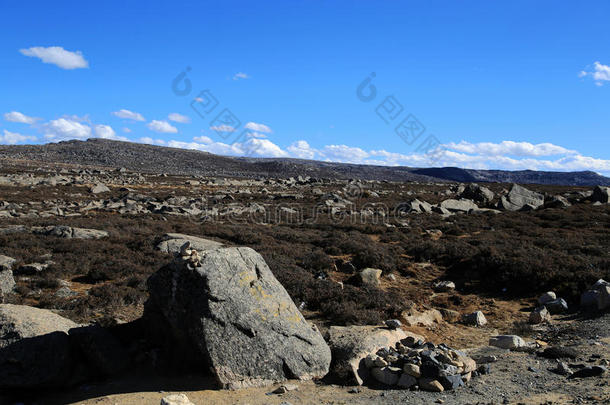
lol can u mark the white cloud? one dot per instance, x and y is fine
(262, 147)
(13, 138)
(128, 115)
(152, 141)
(56, 55)
(162, 127)
(600, 73)
(258, 127)
(183, 119)
(509, 148)
(203, 139)
(126, 130)
(240, 76)
(65, 128)
(16, 116)
(302, 150)
(223, 128)
(106, 132)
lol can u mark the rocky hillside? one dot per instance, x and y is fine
(158, 159)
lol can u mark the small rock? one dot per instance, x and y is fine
(412, 370)
(589, 371)
(99, 188)
(370, 277)
(506, 341)
(539, 315)
(557, 306)
(406, 381)
(386, 375)
(176, 399)
(451, 382)
(393, 323)
(443, 286)
(559, 352)
(562, 369)
(429, 384)
(475, 319)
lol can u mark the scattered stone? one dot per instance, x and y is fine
(450, 315)
(370, 277)
(282, 389)
(429, 384)
(597, 298)
(562, 369)
(461, 205)
(539, 315)
(600, 194)
(506, 341)
(393, 323)
(99, 188)
(6, 263)
(176, 399)
(520, 198)
(386, 375)
(406, 381)
(354, 347)
(443, 286)
(426, 318)
(451, 382)
(557, 306)
(477, 193)
(475, 319)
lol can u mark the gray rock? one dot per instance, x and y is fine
(546, 297)
(172, 242)
(461, 205)
(406, 381)
(31, 269)
(393, 323)
(597, 298)
(386, 375)
(430, 384)
(352, 345)
(518, 197)
(475, 319)
(451, 382)
(176, 399)
(506, 341)
(557, 201)
(557, 306)
(477, 193)
(232, 311)
(99, 188)
(539, 315)
(20, 321)
(6, 263)
(442, 286)
(600, 194)
(7, 283)
(370, 277)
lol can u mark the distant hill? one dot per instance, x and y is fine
(159, 159)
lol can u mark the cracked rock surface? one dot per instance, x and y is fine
(233, 311)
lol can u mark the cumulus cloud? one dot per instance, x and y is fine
(13, 138)
(301, 150)
(152, 141)
(183, 119)
(258, 127)
(126, 130)
(203, 139)
(64, 129)
(509, 148)
(240, 76)
(106, 132)
(16, 116)
(162, 127)
(129, 115)
(600, 73)
(58, 56)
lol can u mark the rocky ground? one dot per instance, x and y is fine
(82, 241)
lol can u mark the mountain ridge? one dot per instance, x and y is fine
(161, 159)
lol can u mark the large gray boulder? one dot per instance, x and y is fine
(600, 194)
(6, 263)
(34, 348)
(226, 306)
(21, 321)
(68, 232)
(477, 193)
(597, 298)
(461, 205)
(172, 242)
(520, 198)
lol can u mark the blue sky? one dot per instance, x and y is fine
(507, 85)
